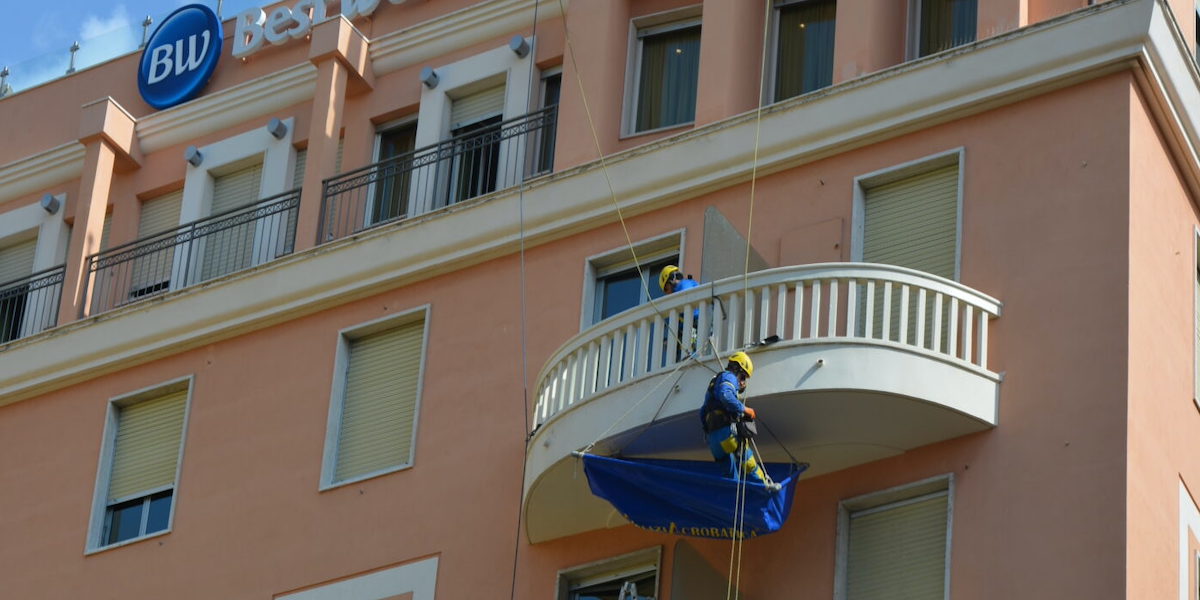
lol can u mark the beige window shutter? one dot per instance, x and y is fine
(160, 214)
(16, 261)
(104, 229)
(151, 273)
(898, 552)
(301, 164)
(236, 189)
(914, 222)
(380, 401)
(477, 107)
(146, 453)
(231, 249)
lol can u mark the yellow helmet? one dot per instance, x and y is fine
(742, 360)
(665, 275)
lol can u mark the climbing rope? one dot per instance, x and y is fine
(524, 321)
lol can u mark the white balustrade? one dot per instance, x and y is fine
(855, 302)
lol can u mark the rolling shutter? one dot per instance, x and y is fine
(104, 229)
(380, 401)
(160, 214)
(301, 164)
(16, 261)
(231, 249)
(152, 272)
(898, 552)
(914, 222)
(236, 189)
(146, 452)
(477, 107)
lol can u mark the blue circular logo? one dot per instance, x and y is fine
(180, 57)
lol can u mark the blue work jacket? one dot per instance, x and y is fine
(722, 394)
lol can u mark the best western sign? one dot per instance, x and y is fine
(180, 57)
(254, 26)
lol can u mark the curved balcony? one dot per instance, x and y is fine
(870, 361)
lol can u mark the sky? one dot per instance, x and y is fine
(36, 35)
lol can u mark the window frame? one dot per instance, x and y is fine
(1196, 317)
(338, 393)
(886, 499)
(615, 260)
(611, 569)
(899, 172)
(640, 28)
(769, 85)
(409, 120)
(913, 30)
(97, 524)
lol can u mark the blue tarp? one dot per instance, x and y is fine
(692, 498)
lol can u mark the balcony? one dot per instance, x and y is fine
(30, 304)
(871, 361)
(489, 159)
(193, 253)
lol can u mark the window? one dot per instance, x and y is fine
(1196, 324)
(551, 90)
(804, 31)
(667, 70)
(941, 24)
(16, 265)
(376, 395)
(390, 197)
(895, 543)
(908, 216)
(230, 246)
(151, 273)
(629, 577)
(616, 284)
(140, 464)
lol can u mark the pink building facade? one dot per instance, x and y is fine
(335, 326)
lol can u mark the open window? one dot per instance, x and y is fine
(630, 577)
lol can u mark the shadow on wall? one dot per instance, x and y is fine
(692, 578)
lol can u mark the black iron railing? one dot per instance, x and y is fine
(490, 158)
(30, 304)
(192, 253)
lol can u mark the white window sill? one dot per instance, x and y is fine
(99, 549)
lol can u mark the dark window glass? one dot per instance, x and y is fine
(945, 24)
(12, 311)
(805, 54)
(395, 177)
(667, 82)
(124, 521)
(160, 512)
(551, 90)
(544, 161)
(476, 159)
(623, 290)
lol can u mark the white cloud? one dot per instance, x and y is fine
(100, 38)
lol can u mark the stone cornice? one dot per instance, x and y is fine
(1117, 35)
(227, 107)
(456, 30)
(41, 170)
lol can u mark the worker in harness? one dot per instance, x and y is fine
(722, 414)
